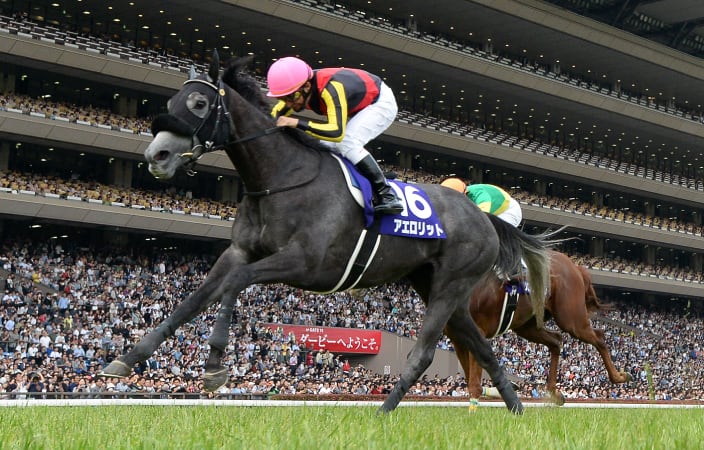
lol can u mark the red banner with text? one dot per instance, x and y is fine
(337, 340)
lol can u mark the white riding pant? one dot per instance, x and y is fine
(513, 214)
(366, 125)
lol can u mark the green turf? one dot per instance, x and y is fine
(313, 427)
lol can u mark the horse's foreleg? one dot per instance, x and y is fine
(271, 268)
(472, 370)
(215, 373)
(467, 332)
(553, 341)
(199, 301)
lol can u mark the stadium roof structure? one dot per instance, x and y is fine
(580, 46)
(675, 23)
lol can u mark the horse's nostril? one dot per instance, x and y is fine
(162, 155)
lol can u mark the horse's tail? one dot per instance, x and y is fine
(535, 251)
(590, 298)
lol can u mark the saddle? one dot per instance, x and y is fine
(418, 219)
(405, 224)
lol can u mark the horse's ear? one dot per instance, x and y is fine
(214, 71)
(192, 73)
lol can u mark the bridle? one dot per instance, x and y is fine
(222, 119)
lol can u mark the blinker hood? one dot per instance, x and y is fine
(168, 122)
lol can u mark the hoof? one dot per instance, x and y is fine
(560, 400)
(116, 369)
(382, 411)
(517, 409)
(385, 408)
(214, 380)
(556, 398)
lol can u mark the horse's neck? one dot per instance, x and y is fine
(268, 161)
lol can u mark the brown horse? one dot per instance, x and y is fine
(571, 302)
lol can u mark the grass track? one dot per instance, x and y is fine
(324, 427)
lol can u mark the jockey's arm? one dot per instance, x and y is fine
(280, 109)
(336, 107)
(485, 206)
(482, 199)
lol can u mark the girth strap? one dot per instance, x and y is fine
(507, 310)
(362, 257)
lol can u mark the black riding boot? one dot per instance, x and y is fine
(386, 200)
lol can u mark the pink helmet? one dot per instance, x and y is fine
(287, 75)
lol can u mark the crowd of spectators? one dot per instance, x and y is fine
(88, 115)
(67, 112)
(102, 118)
(99, 117)
(171, 200)
(66, 312)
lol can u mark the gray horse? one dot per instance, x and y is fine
(298, 225)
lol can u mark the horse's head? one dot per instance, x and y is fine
(197, 122)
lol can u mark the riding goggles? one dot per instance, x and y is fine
(292, 97)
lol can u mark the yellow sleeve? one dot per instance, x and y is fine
(336, 109)
(485, 206)
(280, 109)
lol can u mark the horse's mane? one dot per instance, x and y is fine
(248, 87)
(245, 84)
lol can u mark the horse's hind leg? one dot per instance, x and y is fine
(421, 355)
(614, 375)
(596, 338)
(227, 266)
(553, 341)
(442, 299)
(579, 327)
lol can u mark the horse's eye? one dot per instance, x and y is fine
(197, 103)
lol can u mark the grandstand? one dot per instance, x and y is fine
(520, 93)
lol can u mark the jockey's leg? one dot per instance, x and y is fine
(386, 200)
(366, 125)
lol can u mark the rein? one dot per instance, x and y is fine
(266, 192)
(199, 150)
(251, 137)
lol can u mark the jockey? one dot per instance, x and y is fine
(359, 107)
(490, 199)
(494, 200)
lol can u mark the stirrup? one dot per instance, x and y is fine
(392, 208)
